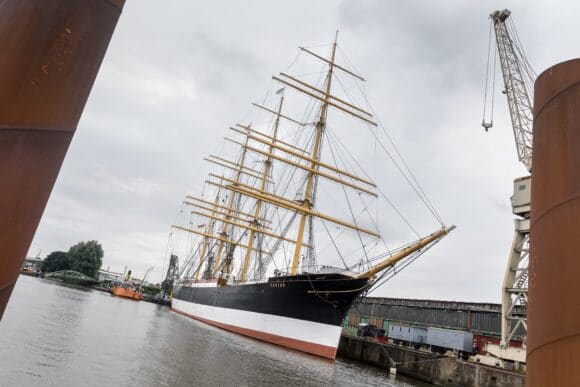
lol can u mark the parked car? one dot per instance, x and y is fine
(369, 330)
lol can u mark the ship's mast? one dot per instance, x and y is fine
(232, 217)
(309, 190)
(230, 210)
(264, 180)
(227, 215)
(204, 248)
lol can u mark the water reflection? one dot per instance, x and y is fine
(58, 335)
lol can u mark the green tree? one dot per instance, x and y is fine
(55, 261)
(86, 257)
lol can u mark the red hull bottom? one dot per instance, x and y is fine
(303, 346)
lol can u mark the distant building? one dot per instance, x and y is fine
(106, 275)
(137, 282)
(33, 264)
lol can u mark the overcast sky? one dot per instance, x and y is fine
(178, 73)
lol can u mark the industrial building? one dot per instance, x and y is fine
(483, 319)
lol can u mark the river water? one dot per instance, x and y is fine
(57, 335)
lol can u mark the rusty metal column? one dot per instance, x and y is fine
(553, 357)
(51, 53)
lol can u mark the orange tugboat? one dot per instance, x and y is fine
(128, 290)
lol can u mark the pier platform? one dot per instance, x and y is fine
(426, 366)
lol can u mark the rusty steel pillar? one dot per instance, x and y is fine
(553, 354)
(51, 53)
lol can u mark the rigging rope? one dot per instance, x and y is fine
(398, 268)
(385, 197)
(416, 186)
(269, 257)
(418, 189)
(335, 246)
(295, 60)
(363, 92)
(365, 205)
(348, 201)
(287, 177)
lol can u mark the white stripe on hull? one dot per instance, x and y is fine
(295, 329)
(204, 285)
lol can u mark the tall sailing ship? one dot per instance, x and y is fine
(255, 267)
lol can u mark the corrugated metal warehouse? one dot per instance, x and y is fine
(483, 318)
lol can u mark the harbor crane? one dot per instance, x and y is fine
(171, 276)
(518, 77)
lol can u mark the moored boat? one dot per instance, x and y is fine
(130, 288)
(127, 290)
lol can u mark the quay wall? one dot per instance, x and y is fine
(426, 366)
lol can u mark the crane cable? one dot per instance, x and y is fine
(488, 124)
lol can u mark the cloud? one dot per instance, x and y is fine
(178, 73)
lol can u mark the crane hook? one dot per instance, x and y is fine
(489, 71)
(487, 125)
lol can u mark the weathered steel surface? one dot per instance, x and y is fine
(554, 305)
(51, 53)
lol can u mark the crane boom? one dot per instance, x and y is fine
(518, 77)
(518, 96)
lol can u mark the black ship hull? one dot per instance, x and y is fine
(303, 312)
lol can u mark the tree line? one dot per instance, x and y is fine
(84, 257)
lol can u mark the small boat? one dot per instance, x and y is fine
(127, 290)
(30, 271)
